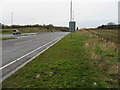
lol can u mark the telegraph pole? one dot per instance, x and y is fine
(12, 13)
(33, 21)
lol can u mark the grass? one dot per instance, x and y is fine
(6, 38)
(27, 30)
(68, 64)
(108, 34)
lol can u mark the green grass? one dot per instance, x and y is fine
(108, 34)
(6, 38)
(27, 30)
(68, 64)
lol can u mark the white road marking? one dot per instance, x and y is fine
(22, 36)
(27, 54)
(23, 42)
(13, 71)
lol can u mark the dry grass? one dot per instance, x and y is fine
(71, 63)
(104, 54)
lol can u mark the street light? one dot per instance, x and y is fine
(33, 21)
(12, 19)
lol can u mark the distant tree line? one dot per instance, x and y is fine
(50, 27)
(110, 25)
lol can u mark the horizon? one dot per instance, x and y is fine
(56, 25)
(87, 14)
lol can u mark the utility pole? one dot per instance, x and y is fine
(12, 13)
(33, 21)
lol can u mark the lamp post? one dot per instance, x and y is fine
(12, 13)
(33, 21)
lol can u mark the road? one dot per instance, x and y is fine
(17, 52)
(11, 35)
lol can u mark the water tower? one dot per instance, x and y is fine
(72, 23)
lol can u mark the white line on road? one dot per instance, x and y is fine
(27, 54)
(13, 71)
(23, 42)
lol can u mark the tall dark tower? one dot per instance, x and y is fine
(72, 23)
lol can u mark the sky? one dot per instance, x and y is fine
(87, 13)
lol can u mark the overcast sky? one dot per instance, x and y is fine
(87, 13)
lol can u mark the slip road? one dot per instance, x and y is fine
(17, 52)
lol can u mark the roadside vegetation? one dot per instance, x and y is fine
(32, 28)
(108, 34)
(6, 38)
(24, 30)
(83, 61)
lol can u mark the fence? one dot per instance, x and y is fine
(109, 35)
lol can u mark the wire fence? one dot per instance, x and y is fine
(109, 35)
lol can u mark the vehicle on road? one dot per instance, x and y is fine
(16, 32)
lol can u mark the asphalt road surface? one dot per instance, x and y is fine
(11, 35)
(16, 52)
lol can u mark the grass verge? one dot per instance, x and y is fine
(68, 64)
(6, 38)
(27, 30)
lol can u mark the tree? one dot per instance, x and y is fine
(50, 27)
(111, 23)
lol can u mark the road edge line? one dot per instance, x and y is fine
(13, 71)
